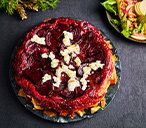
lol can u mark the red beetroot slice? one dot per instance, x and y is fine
(29, 67)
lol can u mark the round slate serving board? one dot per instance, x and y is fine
(109, 96)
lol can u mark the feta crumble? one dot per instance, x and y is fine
(57, 81)
(38, 40)
(72, 84)
(71, 66)
(51, 56)
(86, 70)
(75, 48)
(78, 61)
(54, 63)
(44, 55)
(46, 77)
(96, 65)
(67, 37)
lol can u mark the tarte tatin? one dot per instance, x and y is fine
(64, 67)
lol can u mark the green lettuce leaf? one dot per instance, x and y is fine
(111, 6)
(126, 33)
(115, 22)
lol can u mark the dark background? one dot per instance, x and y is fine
(127, 110)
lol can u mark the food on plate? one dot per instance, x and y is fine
(20, 6)
(129, 16)
(64, 67)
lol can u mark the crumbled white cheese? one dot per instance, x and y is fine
(51, 56)
(67, 37)
(66, 55)
(66, 41)
(73, 55)
(54, 63)
(65, 52)
(38, 40)
(46, 77)
(57, 78)
(71, 66)
(75, 48)
(70, 73)
(64, 67)
(93, 66)
(71, 51)
(44, 55)
(57, 81)
(58, 72)
(86, 70)
(96, 65)
(78, 61)
(84, 83)
(67, 59)
(62, 53)
(72, 84)
(85, 76)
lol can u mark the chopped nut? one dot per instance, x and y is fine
(80, 113)
(95, 109)
(21, 93)
(103, 103)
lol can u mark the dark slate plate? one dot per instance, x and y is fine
(109, 96)
(109, 17)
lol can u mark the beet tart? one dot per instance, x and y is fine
(65, 70)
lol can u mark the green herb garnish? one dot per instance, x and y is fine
(10, 6)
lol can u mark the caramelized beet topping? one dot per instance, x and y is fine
(30, 67)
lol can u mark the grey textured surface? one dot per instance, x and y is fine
(127, 110)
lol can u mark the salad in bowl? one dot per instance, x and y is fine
(128, 17)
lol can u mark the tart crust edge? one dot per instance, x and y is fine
(93, 109)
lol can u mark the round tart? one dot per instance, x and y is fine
(64, 68)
